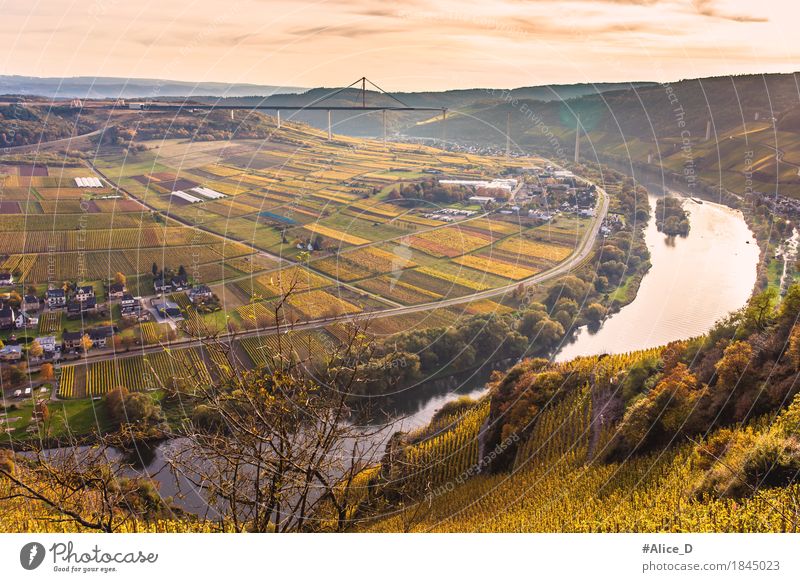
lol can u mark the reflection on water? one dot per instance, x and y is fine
(693, 282)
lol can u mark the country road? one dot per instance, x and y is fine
(74, 141)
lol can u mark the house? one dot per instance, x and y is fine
(56, 298)
(161, 286)
(482, 200)
(127, 301)
(131, 307)
(117, 290)
(199, 293)
(48, 343)
(167, 308)
(50, 351)
(6, 278)
(25, 321)
(72, 340)
(84, 293)
(179, 282)
(11, 353)
(100, 336)
(7, 317)
(31, 304)
(75, 308)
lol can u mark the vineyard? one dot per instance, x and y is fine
(186, 367)
(50, 322)
(555, 486)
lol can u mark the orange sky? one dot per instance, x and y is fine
(402, 45)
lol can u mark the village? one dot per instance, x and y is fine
(87, 326)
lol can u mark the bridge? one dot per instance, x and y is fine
(316, 105)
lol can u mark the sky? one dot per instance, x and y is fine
(402, 45)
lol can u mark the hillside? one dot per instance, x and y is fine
(663, 126)
(700, 435)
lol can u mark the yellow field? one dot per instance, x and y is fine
(496, 267)
(448, 241)
(336, 234)
(316, 304)
(524, 247)
(459, 279)
(295, 278)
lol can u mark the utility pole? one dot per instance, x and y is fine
(444, 125)
(577, 139)
(330, 128)
(708, 130)
(384, 127)
(279, 118)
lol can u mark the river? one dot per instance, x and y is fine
(693, 282)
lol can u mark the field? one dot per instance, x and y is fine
(298, 213)
(186, 367)
(494, 266)
(448, 241)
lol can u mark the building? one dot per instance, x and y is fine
(199, 293)
(101, 336)
(55, 298)
(482, 200)
(48, 343)
(31, 304)
(72, 340)
(161, 286)
(6, 278)
(84, 293)
(11, 353)
(117, 290)
(76, 308)
(179, 283)
(26, 321)
(50, 350)
(131, 308)
(7, 317)
(167, 308)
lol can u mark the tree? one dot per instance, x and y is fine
(36, 350)
(278, 449)
(154, 269)
(46, 372)
(86, 343)
(733, 365)
(121, 278)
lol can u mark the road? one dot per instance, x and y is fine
(75, 141)
(580, 254)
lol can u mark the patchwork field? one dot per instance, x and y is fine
(254, 220)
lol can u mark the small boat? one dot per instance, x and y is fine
(697, 200)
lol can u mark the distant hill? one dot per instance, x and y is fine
(116, 87)
(361, 124)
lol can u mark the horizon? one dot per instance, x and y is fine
(417, 91)
(409, 48)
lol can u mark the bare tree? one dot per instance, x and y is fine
(88, 486)
(273, 448)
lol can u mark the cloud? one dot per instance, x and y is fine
(712, 9)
